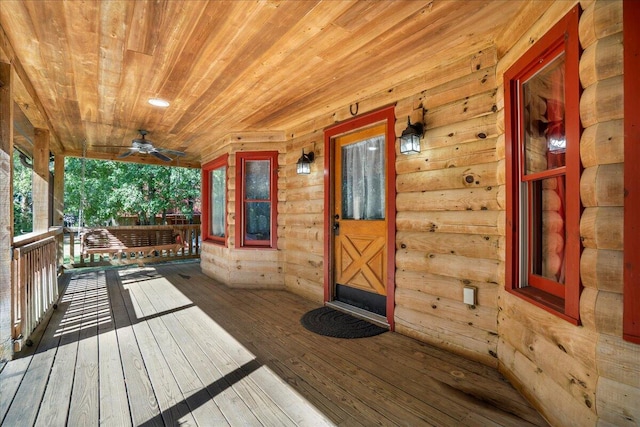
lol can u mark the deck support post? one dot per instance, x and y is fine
(41, 180)
(6, 209)
(58, 202)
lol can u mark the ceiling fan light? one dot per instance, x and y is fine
(159, 102)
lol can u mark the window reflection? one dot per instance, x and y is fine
(257, 179)
(544, 118)
(548, 229)
(257, 207)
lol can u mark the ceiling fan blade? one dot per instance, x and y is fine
(109, 146)
(125, 154)
(173, 152)
(161, 156)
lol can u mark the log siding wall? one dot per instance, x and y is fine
(583, 375)
(451, 224)
(304, 220)
(450, 221)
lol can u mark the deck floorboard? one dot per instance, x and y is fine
(165, 345)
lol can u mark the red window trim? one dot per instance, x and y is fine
(241, 158)
(207, 168)
(631, 35)
(550, 173)
(562, 35)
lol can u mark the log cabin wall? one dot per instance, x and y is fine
(450, 221)
(245, 267)
(304, 219)
(582, 375)
(451, 224)
(450, 208)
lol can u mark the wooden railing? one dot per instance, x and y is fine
(189, 235)
(35, 281)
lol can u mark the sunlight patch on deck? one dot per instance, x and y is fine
(87, 304)
(216, 374)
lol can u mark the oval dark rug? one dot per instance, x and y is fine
(333, 323)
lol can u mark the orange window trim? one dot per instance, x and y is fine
(562, 36)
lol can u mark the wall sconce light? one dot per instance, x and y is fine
(303, 166)
(410, 138)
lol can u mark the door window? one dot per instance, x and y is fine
(363, 179)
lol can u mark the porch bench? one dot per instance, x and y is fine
(116, 242)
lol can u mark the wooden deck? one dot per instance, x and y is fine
(165, 345)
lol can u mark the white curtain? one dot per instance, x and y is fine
(363, 179)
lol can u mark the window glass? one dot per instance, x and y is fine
(214, 200)
(257, 179)
(363, 179)
(218, 200)
(258, 220)
(548, 230)
(544, 118)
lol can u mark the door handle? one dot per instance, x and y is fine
(336, 228)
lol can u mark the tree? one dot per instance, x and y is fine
(112, 189)
(22, 196)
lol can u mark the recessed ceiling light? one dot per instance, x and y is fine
(159, 102)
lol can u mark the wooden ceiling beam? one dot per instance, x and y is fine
(146, 159)
(25, 83)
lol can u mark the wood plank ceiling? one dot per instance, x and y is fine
(86, 69)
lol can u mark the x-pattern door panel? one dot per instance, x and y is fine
(361, 260)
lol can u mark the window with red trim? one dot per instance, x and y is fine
(542, 104)
(256, 199)
(214, 197)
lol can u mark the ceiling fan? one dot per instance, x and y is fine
(144, 146)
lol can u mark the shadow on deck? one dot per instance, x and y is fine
(166, 345)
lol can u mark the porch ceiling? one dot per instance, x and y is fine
(230, 69)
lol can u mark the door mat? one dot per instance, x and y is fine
(333, 323)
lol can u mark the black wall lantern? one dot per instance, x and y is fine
(303, 166)
(410, 138)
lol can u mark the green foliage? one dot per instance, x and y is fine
(113, 189)
(22, 197)
(105, 191)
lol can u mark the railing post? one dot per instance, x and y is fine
(196, 232)
(60, 252)
(17, 298)
(6, 209)
(72, 247)
(58, 205)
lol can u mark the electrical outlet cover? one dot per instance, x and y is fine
(469, 295)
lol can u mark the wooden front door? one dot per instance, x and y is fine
(360, 223)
